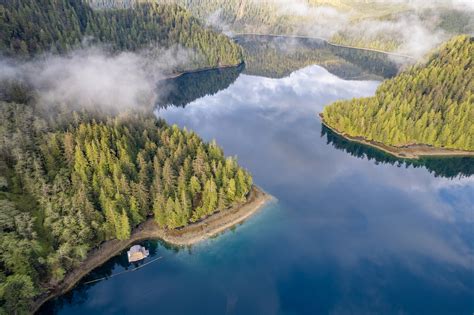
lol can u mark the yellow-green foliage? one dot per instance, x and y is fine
(427, 104)
(274, 17)
(381, 41)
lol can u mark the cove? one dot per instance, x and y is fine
(352, 231)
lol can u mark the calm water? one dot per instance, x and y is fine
(353, 231)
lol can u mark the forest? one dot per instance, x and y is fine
(28, 28)
(430, 103)
(71, 179)
(450, 21)
(68, 185)
(373, 24)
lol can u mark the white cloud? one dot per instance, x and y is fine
(417, 36)
(93, 78)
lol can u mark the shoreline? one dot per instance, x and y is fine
(179, 74)
(327, 41)
(412, 152)
(191, 234)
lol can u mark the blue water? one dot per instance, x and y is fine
(353, 231)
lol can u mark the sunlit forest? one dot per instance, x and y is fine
(73, 177)
(360, 23)
(430, 103)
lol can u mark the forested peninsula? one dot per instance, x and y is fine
(68, 186)
(426, 110)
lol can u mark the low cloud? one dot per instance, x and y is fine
(423, 4)
(95, 78)
(411, 34)
(413, 28)
(217, 21)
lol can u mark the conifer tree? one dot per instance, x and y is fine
(123, 231)
(430, 104)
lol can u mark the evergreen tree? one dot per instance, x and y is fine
(92, 169)
(429, 104)
(17, 292)
(123, 231)
(60, 26)
(135, 211)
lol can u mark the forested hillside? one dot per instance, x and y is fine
(392, 35)
(236, 14)
(430, 103)
(375, 24)
(69, 185)
(31, 27)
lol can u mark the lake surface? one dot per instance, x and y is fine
(353, 231)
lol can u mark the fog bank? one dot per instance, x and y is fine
(95, 78)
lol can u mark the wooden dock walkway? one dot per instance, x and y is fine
(122, 272)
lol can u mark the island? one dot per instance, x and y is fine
(426, 110)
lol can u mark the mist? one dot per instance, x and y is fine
(94, 78)
(414, 36)
(413, 28)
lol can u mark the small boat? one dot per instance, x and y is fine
(137, 253)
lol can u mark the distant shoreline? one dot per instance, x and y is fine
(408, 152)
(179, 74)
(327, 41)
(193, 233)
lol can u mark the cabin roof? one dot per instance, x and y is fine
(136, 253)
(135, 248)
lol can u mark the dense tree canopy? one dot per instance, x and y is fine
(30, 27)
(430, 103)
(451, 21)
(65, 187)
(358, 23)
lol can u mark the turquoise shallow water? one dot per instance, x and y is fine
(353, 231)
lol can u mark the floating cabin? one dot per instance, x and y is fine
(137, 253)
